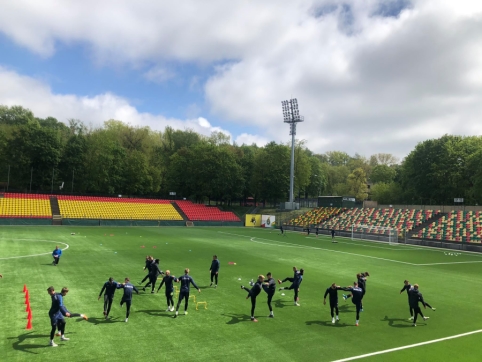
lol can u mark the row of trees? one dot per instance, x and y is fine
(40, 154)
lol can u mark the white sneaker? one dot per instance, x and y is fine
(297, 304)
(126, 320)
(172, 309)
(337, 318)
(185, 313)
(63, 338)
(410, 319)
(425, 318)
(433, 309)
(53, 344)
(414, 325)
(333, 321)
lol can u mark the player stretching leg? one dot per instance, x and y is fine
(127, 297)
(109, 287)
(296, 282)
(56, 318)
(168, 280)
(253, 293)
(333, 292)
(415, 297)
(357, 295)
(186, 282)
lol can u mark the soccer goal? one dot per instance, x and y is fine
(372, 232)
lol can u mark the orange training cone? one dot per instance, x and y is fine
(29, 324)
(26, 294)
(24, 288)
(29, 315)
(27, 309)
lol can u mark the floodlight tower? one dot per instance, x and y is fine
(292, 116)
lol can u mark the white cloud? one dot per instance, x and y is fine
(249, 139)
(37, 96)
(365, 83)
(159, 74)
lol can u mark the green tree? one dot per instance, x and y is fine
(382, 173)
(271, 173)
(357, 181)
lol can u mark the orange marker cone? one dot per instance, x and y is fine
(24, 288)
(29, 315)
(29, 324)
(27, 309)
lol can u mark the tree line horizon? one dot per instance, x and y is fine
(39, 154)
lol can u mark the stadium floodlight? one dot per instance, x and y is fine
(292, 116)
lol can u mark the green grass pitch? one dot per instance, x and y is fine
(223, 332)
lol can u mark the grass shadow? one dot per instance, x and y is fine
(156, 313)
(27, 337)
(398, 322)
(280, 303)
(328, 324)
(345, 309)
(102, 320)
(237, 318)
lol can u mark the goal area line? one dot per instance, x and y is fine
(408, 346)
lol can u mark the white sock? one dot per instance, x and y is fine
(357, 322)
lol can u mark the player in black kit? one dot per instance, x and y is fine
(127, 297)
(253, 293)
(154, 272)
(215, 264)
(109, 287)
(357, 294)
(186, 282)
(168, 280)
(333, 292)
(414, 297)
(270, 288)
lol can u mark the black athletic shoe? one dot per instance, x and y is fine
(271, 316)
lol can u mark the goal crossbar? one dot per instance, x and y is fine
(373, 232)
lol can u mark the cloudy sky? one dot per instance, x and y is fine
(370, 75)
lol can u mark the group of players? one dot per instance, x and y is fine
(58, 310)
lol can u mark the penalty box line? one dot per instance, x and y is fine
(291, 245)
(407, 347)
(274, 242)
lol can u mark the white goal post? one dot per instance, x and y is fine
(376, 233)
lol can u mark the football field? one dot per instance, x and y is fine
(450, 281)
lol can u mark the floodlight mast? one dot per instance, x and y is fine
(292, 116)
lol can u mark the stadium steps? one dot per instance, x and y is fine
(54, 206)
(423, 225)
(179, 210)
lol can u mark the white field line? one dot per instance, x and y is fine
(274, 242)
(373, 246)
(291, 245)
(407, 347)
(401, 245)
(28, 256)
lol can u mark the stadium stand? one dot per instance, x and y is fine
(200, 212)
(13, 205)
(458, 226)
(402, 219)
(315, 216)
(111, 208)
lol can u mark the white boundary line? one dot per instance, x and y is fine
(291, 245)
(28, 256)
(407, 347)
(274, 242)
(402, 245)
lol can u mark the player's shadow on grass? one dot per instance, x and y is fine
(26, 337)
(398, 322)
(237, 318)
(102, 320)
(328, 324)
(156, 313)
(280, 303)
(345, 308)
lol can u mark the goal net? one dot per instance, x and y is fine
(372, 232)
